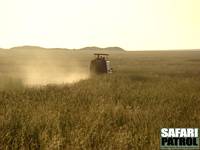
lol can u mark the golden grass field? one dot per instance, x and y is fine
(120, 111)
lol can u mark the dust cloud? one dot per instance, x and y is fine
(38, 76)
(47, 69)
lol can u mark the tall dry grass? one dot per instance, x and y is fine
(123, 110)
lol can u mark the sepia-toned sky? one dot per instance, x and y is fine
(130, 24)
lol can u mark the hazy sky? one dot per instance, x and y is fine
(130, 24)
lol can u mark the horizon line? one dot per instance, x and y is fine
(21, 46)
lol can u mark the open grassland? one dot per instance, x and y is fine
(123, 110)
